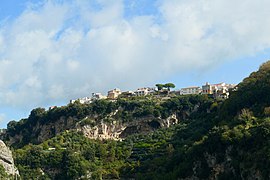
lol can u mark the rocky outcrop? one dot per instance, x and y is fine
(6, 160)
(222, 167)
(102, 131)
(118, 130)
(42, 132)
(95, 128)
(49, 130)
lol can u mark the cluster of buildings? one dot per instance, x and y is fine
(88, 100)
(114, 94)
(220, 90)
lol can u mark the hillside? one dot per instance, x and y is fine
(184, 137)
(105, 119)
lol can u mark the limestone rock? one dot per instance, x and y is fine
(6, 160)
(118, 130)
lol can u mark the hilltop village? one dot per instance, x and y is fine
(149, 133)
(220, 90)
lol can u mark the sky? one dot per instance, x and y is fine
(52, 51)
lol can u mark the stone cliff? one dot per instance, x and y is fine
(94, 127)
(6, 160)
(118, 130)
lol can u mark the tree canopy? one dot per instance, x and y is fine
(168, 86)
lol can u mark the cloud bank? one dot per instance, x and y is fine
(59, 50)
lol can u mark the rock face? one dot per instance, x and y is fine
(43, 132)
(117, 130)
(6, 160)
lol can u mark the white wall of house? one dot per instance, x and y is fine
(190, 90)
(144, 91)
(98, 96)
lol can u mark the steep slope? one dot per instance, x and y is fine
(146, 126)
(232, 144)
(211, 140)
(104, 119)
(253, 93)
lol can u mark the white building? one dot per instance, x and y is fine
(127, 94)
(144, 91)
(113, 94)
(190, 90)
(220, 90)
(98, 96)
(84, 100)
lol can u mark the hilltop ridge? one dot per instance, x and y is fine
(180, 137)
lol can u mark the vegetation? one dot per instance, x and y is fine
(123, 110)
(253, 93)
(168, 86)
(214, 140)
(70, 156)
(3, 173)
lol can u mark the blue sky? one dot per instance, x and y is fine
(54, 51)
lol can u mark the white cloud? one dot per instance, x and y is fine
(57, 51)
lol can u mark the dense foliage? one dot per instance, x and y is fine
(3, 173)
(253, 93)
(214, 140)
(70, 156)
(125, 109)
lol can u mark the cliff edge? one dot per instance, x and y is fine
(6, 160)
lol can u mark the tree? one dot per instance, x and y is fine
(36, 114)
(169, 85)
(74, 165)
(11, 126)
(160, 86)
